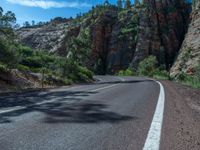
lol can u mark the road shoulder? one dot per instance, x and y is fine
(181, 126)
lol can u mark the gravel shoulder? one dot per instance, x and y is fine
(181, 126)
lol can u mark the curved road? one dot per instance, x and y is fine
(113, 114)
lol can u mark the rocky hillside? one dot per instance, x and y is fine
(163, 24)
(189, 55)
(118, 37)
(49, 37)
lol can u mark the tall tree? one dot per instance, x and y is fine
(33, 23)
(7, 22)
(127, 4)
(26, 24)
(106, 3)
(137, 2)
(119, 4)
(142, 1)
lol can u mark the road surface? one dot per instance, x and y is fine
(113, 114)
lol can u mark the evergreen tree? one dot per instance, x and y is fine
(142, 1)
(7, 21)
(33, 23)
(119, 4)
(127, 4)
(106, 3)
(26, 24)
(137, 2)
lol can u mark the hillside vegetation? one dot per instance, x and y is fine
(49, 69)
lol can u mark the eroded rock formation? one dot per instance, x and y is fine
(189, 55)
(119, 37)
(163, 24)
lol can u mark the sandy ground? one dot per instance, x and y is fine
(181, 126)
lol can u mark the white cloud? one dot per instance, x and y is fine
(46, 4)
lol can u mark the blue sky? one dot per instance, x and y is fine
(44, 10)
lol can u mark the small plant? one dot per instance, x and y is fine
(127, 72)
(147, 67)
(3, 68)
(190, 80)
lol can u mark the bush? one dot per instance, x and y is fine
(127, 72)
(147, 67)
(8, 53)
(23, 68)
(190, 80)
(161, 74)
(193, 81)
(80, 74)
(3, 68)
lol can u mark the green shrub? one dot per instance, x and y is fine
(8, 53)
(127, 72)
(23, 68)
(147, 67)
(25, 51)
(161, 74)
(3, 68)
(190, 80)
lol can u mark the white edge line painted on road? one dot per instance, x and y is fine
(153, 138)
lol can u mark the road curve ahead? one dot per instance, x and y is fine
(113, 114)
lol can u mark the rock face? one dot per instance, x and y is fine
(162, 27)
(102, 32)
(189, 55)
(51, 37)
(113, 47)
(119, 37)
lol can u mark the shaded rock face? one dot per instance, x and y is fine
(163, 24)
(112, 50)
(189, 55)
(101, 39)
(119, 38)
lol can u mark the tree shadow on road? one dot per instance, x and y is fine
(69, 107)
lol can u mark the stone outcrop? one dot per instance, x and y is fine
(189, 55)
(15, 79)
(163, 24)
(113, 40)
(51, 37)
(118, 37)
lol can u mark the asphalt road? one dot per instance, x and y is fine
(113, 114)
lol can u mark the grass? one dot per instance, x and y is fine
(193, 81)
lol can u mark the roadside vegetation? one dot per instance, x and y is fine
(148, 68)
(190, 80)
(14, 55)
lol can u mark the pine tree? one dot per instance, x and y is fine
(106, 3)
(119, 4)
(137, 2)
(143, 2)
(127, 4)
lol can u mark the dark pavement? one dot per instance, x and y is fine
(113, 114)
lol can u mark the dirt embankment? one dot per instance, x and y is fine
(181, 126)
(15, 80)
